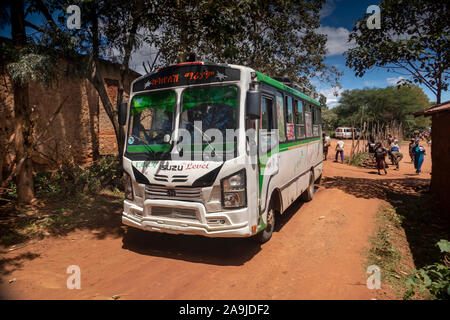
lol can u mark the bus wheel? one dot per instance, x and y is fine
(265, 235)
(319, 179)
(309, 193)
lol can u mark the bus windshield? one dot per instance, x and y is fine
(151, 119)
(210, 107)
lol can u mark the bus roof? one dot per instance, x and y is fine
(262, 77)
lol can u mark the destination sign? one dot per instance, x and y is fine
(182, 75)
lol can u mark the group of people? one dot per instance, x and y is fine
(378, 151)
(326, 140)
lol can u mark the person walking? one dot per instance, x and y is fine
(380, 156)
(340, 150)
(326, 144)
(397, 156)
(419, 155)
(412, 146)
(371, 147)
(390, 139)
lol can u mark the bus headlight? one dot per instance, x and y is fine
(234, 193)
(128, 187)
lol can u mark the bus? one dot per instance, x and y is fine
(217, 150)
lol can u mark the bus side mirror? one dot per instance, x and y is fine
(123, 113)
(253, 102)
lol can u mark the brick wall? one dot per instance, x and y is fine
(82, 130)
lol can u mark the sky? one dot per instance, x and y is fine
(337, 18)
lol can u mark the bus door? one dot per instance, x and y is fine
(268, 156)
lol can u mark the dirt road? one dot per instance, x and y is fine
(316, 252)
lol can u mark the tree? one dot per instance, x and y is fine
(413, 41)
(329, 119)
(105, 26)
(23, 126)
(323, 101)
(278, 38)
(382, 106)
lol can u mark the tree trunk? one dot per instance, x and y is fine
(23, 126)
(124, 68)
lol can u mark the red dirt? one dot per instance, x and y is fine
(317, 252)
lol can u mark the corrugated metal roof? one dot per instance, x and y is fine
(445, 106)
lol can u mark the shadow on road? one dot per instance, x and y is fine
(8, 265)
(423, 224)
(217, 251)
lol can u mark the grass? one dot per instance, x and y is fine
(386, 251)
(404, 241)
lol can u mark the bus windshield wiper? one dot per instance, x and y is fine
(207, 139)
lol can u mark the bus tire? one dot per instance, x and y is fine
(265, 235)
(319, 179)
(308, 194)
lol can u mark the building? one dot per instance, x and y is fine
(82, 129)
(440, 153)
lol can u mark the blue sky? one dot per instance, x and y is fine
(337, 18)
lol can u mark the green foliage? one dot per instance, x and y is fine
(72, 179)
(444, 246)
(435, 277)
(12, 191)
(329, 118)
(31, 67)
(359, 159)
(382, 105)
(278, 38)
(414, 38)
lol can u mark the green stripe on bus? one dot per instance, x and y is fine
(167, 147)
(153, 147)
(279, 85)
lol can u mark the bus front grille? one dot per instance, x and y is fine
(176, 193)
(173, 212)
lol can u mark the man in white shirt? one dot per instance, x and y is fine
(326, 140)
(340, 150)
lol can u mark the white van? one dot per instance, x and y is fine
(345, 133)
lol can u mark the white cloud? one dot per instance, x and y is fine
(337, 40)
(394, 81)
(333, 95)
(327, 9)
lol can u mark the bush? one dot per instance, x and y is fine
(71, 179)
(435, 277)
(361, 159)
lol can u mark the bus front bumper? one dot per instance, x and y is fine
(233, 223)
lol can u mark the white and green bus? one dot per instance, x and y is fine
(217, 150)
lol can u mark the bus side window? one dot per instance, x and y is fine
(299, 123)
(290, 134)
(280, 117)
(266, 127)
(308, 120)
(316, 120)
(266, 114)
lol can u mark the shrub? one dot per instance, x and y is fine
(71, 179)
(434, 277)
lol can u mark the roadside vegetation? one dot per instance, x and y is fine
(412, 251)
(68, 198)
